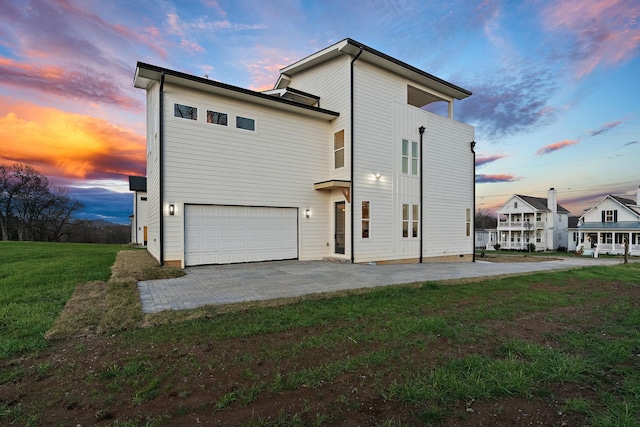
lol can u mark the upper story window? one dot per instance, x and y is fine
(245, 123)
(185, 111)
(515, 205)
(610, 216)
(338, 149)
(468, 223)
(409, 157)
(217, 118)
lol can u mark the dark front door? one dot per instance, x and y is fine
(339, 227)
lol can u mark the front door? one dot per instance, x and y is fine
(339, 227)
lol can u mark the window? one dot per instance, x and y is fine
(365, 219)
(468, 222)
(538, 237)
(515, 205)
(607, 238)
(185, 111)
(409, 158)
(245, 123)
(610, 216)
(410, 218)
(216, 118)
(338, 150)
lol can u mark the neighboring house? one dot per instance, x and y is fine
(138, 184)
(606, 226)
(486, 238)
(572, 233)
(524, 219)
(338, 161)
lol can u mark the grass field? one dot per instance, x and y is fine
(558, 348)
(36, 280)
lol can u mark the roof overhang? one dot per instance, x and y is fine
(335, 184)
(352, 48)
(146, 74)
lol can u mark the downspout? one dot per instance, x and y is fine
(160, 165)
(473, 213)
(421, 228)
(352, 162)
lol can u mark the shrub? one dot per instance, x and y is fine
(496, 246)
(531, 247)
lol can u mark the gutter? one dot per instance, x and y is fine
(421, 130)
(160, 165)
(473, 214)
(353, 199)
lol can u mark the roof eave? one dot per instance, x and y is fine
(147, 73)
(351, 47)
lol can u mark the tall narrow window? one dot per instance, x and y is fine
(405, 156)
(185, 111)
(410, 220)
(405, 220)
(414, 158)
(338, 150)
(468, 222)
(366, 206)
(410, 157)
(216, 118)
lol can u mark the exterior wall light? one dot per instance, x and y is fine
(172, 209)
(307, 213)
(377, 175)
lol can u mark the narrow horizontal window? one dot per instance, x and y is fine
(245, 123)
(185, 111)
(216, 118)
(144, 199)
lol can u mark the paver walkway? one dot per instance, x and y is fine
(226, 284)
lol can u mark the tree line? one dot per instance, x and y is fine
(33, 210)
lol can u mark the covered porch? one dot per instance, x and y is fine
(610, 238)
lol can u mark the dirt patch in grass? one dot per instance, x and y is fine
(333, 373)
(515, 258)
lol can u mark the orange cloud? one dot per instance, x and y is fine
(68, 145)
(555, 146)
(606, 31)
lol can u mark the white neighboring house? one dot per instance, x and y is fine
(138, 184)
(525, 219)
(338, 161)
(605, 227)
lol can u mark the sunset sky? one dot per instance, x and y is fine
(556, 84)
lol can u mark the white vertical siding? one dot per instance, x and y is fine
(448, 186)
(382, 119)
(330, 81)
(153, 170)
(275, 166)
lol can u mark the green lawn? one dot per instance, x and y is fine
(36, 280)
(555, 348)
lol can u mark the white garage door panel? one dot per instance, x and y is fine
(228, 234)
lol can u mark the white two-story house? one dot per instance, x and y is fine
(339, 160)
(524, 219)
(613, 222)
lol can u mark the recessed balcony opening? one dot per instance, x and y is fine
(428, 101)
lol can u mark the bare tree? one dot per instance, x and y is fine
(29, 208)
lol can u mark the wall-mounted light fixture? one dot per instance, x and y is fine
(307, 213)
(172, 209)
(377, 175)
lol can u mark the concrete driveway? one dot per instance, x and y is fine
(227, 284)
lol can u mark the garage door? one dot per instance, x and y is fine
(228, 234)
